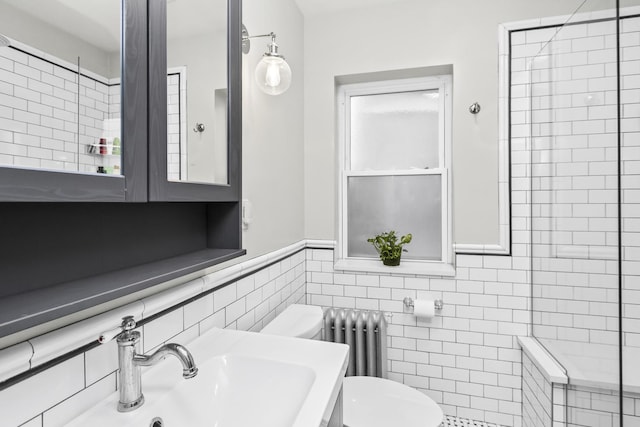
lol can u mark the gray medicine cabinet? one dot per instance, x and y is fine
(71, 242)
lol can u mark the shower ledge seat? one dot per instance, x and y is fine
(587, 364)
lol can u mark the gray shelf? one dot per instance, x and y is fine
(25, 310)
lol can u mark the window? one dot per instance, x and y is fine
(395, 166)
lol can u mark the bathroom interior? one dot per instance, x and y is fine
(146, 170)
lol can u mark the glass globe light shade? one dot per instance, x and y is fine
(273, 74)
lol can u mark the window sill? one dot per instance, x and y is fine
(417, 268)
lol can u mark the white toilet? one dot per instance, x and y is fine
(368, 401)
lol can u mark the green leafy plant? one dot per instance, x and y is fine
(388, 246)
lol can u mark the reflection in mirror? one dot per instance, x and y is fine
(197, 91)
(60, 85)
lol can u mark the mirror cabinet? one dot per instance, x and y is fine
(195, 87)
(106, 189)
(73, 95)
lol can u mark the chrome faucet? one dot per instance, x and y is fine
(130, 382)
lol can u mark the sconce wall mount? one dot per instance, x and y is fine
(273, 74)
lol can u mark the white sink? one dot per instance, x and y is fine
(235, 390)
(244, 379)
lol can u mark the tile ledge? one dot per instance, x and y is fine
(547, 364)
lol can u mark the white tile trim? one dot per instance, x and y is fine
(321, 244)
(56, 343)
(217, 278)
(36, 351)
(462, 248)
(547, 365)
(504, 159)
(15, 359)
(158, 302)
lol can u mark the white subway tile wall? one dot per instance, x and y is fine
(49, 121)
(58, 394)
(176, 88)
(630, 130)
(559, 393)
(39, 393)
(567, 117)
(467, 357)
(536, 395)
(564, 109)
(48, 118)
(601, 408)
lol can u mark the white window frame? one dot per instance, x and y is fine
(344, 94)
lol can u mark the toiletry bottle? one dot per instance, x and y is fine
(103, 145)
(116, 146)
(101, 169)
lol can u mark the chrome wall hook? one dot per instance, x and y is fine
(198, 128)
(474, 108)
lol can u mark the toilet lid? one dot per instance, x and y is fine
(378, 402)
(297, 320)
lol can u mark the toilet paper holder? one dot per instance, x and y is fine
(408, 302)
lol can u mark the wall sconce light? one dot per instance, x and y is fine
(272, 74)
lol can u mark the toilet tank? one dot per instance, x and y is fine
(297, 320)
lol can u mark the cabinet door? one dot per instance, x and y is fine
(73, 101)
(195, 101)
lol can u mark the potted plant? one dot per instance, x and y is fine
(389, 248)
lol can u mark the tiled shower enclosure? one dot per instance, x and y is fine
(575, 128)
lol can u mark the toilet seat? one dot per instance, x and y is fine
(378, 402)
(367, 401)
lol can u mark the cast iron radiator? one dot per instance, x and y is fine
(366, 334)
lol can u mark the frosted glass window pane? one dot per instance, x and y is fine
(406, 204)
(395, 131)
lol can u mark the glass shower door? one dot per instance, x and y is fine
(575, 209)
(629, 144)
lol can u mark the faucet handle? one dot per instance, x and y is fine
(128, 324)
